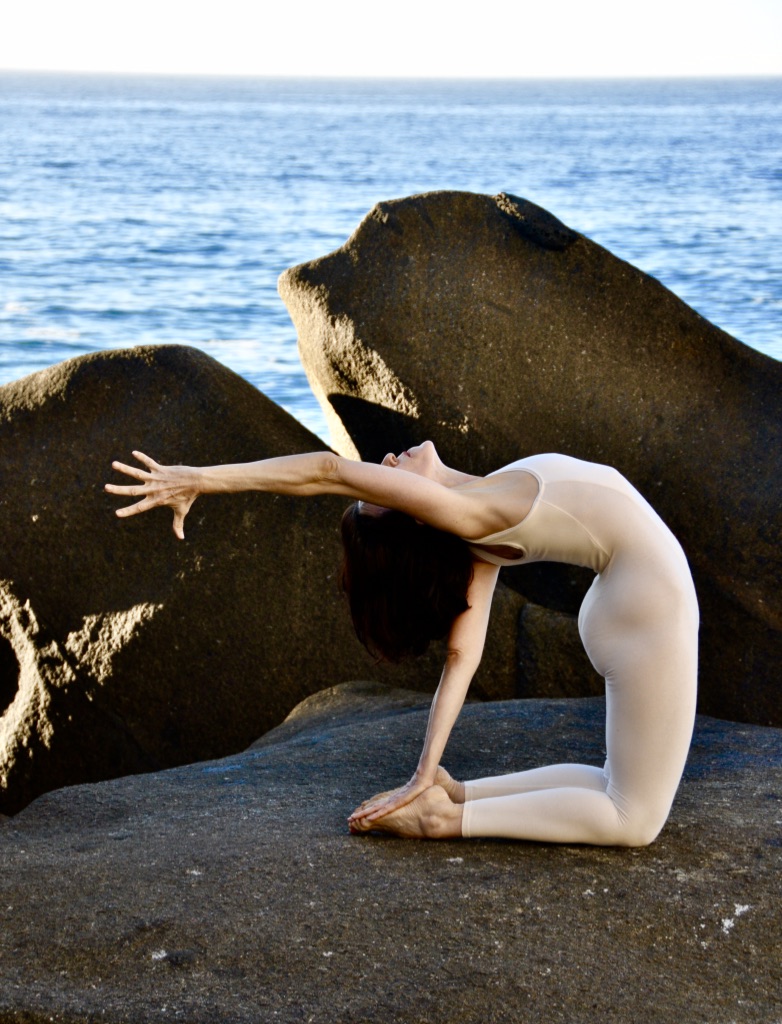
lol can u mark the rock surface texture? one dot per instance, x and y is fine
(487, 325)
(231, 891)
(123, 650)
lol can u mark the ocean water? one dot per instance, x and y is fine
(138, 210)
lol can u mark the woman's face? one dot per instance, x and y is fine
(420, 459)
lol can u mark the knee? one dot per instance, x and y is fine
(639, 836)
(641, 830)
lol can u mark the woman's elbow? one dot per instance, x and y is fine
(466, 661)
(330, 469)
(323, 475)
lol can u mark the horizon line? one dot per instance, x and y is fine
(278, 76)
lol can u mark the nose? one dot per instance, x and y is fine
(389, 460)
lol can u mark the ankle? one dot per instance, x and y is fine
(454, 789)
(442, 818)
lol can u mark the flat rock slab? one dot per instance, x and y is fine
(232, 891)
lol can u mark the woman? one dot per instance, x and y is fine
(424, 544)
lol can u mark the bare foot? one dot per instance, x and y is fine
(454, 789)
(432, 815)
(373, 799)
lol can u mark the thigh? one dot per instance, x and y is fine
(650, 713)
(644, 640)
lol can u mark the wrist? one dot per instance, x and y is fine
(424, 776)
(213, 479)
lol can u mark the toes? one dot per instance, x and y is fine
(363, 827)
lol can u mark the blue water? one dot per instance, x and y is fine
(137, 210)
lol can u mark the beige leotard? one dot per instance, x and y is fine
(639, 625)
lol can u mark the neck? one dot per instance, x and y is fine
(453, 477)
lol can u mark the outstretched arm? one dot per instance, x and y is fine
(177, 487)
(465, 647)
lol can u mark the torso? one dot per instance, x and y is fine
(508, 496)
(557, 508)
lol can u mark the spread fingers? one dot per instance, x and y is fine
(132, 510)
(134, 471)
(149, 463)
(127, 490)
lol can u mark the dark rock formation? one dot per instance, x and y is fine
(552, 659)
(122, 649)
(487, 325)
(231, 891)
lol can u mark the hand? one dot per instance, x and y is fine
(384, 803)
(172, 486)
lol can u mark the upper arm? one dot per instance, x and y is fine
(468, 632)
(446, 508)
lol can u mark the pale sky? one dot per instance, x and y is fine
(413, 38)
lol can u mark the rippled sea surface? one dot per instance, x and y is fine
(141, 210)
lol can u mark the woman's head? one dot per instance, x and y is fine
(406, 582)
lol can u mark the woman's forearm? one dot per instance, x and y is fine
(307, 474)
(446, 705)
(465, 648)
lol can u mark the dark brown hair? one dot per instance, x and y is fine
(406, 582)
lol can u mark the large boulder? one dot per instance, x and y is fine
(232, 891)
(124, 650)
(489, 326)
(552, 661)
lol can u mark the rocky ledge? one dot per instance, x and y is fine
(232, 891)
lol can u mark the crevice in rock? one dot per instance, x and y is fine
(9, 675)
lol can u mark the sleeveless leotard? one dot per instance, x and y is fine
(639, 625)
